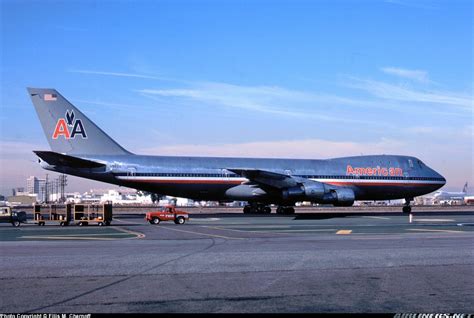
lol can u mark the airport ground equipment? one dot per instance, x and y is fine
(85, 214)
(52, 214)
(167, 213)
(7, 215)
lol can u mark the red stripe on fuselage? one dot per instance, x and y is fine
(379, 184)
(236, 182)
(188, 181)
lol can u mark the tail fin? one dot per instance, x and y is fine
(67, 129)
(464, 189)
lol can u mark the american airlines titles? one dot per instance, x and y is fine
(374, 171)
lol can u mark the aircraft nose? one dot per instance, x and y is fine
(441, 179)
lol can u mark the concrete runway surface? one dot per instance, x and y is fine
(221, 263)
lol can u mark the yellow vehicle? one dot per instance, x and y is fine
(52, 214)
(100, 214)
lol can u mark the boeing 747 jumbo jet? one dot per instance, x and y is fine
(80, 148)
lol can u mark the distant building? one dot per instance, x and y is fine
(24, 199)
(36, 186)
(15, 191)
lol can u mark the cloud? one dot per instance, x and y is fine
(308, 148)
(420, 4)
(417, 75)
(265, 99)
(391, 92)
(121, 74)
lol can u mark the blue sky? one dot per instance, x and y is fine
(297, 79)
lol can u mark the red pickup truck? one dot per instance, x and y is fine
(167, 213)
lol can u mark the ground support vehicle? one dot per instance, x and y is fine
(85, 214)
(167, 213)
(7, 215)
(52, 214)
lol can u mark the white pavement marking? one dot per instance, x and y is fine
(241, 231)
(206, 234)
(68, 238)
(433, 220)
(430, 230)
(304, 230)
(122, 221)
(205, 219)
(376, 217)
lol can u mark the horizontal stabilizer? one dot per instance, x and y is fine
(57, 159)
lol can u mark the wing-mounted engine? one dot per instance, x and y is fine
(319, 192)
(293, 188)
(306, 191)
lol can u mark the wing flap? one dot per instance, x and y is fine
(267, 178)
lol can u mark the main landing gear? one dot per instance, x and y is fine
(407, 207)
(285, 210)
(257, 209)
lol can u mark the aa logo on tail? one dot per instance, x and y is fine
(69, 127)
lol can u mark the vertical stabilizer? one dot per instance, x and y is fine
(67, 129)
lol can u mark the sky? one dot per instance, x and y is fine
(291, 79)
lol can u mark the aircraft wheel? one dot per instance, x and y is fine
(100, 224)
(267, 210)
(61, 223)
(280, 210)
(406, 209)
(290, 210)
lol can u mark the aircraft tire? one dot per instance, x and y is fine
(406, 209)
(267, 210)
(290, 210)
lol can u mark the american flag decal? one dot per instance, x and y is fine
(50, 97)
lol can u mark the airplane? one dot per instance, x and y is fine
(446, 196)
(80, 148)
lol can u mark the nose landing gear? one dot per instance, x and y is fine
(407, 207)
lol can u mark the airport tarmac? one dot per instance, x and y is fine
(220, 263)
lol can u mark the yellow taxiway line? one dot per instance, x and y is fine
(344, 232)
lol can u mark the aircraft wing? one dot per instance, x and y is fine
(267, 178)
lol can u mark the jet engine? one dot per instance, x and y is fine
(318, 192)
(311, 191)
(343, 197)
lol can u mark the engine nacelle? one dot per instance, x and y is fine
(311, 191)
(343, 197)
